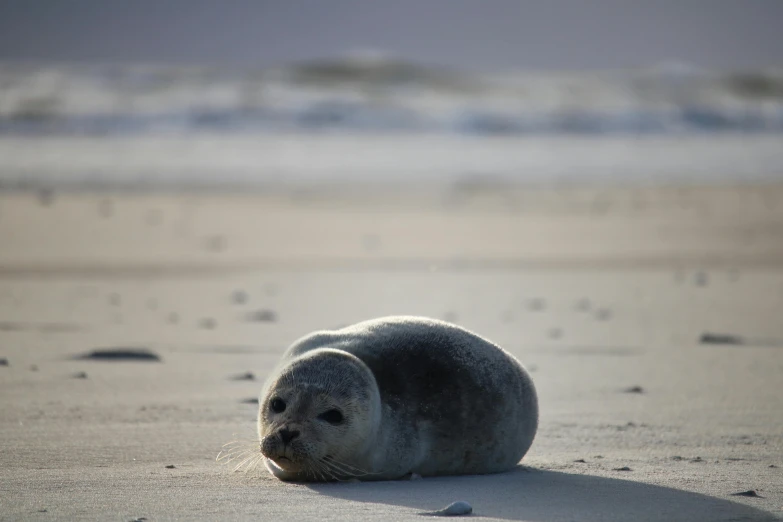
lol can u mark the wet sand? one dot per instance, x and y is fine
(605, 294)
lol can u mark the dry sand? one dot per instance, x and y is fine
(602, 293)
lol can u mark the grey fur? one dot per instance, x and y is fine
(418, 396)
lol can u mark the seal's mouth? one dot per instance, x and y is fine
(285, 463)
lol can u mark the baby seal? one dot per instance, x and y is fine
(395, 396)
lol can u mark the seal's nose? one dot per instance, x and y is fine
(287, 435)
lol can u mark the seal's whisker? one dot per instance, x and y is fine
(253, 463)
(321, 472)
(241, 441)
(335, 470)
(245, 461)
(345, 466)
(234, 449)
(227, 459)
(233, 453)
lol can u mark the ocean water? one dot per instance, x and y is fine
(380, 119)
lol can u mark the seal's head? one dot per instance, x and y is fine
(315, 413)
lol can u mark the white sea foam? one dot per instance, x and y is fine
(361, 119)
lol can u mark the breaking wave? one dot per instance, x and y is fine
(383, 96)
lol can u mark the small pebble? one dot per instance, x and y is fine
(748, 493)
(247, 376)
(45, 196)
(624, 468)
(33, 368)
(4, 361)
(262, 316)
(79, 375)
(239, 297)
(216, 243)
(207, 323)
(582, 461)
(634, 389)
(701, 279)
(454, 509)
(171, 466)
(105, 208)
(583, 305)
(603, 314)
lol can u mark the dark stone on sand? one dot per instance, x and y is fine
(262, 316)
(216, 243)
(701, 279)
(79, 375)
(581, 461)
(772, 466)
(207, 323)
(748, 493)
(120, 355)
(105, 208)
(634, 389)
(45, 196)
(713, 338)
(4, 361)
(583, 305)
(603, 314)
(239, 297)
(247, 376)
(171, 466)
(253, 400)
(624, 468)
(697, 460)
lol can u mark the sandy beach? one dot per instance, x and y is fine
(605, 294)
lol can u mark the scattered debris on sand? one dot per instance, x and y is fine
(262, 316)
(454, 509)
(247, 376)
(748, 493)
(120, 354)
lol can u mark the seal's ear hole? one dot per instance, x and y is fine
(332, 416)
(277, 405)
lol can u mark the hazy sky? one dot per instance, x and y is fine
(477, 34)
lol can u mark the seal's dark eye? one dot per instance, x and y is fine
(277, 405)
(332, 416)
